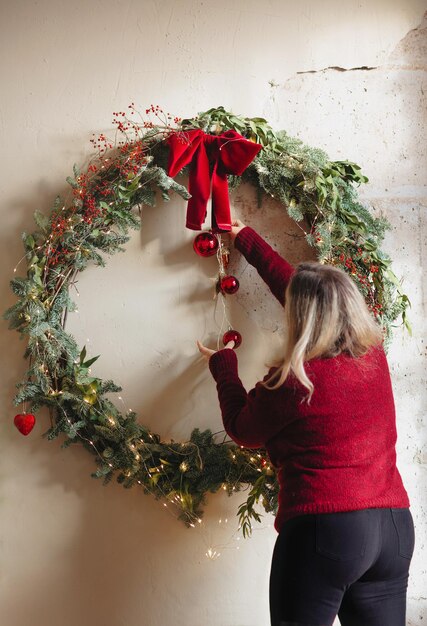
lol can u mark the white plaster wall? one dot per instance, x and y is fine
(72, 552)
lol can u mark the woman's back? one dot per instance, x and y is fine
(337, 453)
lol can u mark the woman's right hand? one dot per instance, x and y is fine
(236, 227)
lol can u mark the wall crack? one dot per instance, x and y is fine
(337, 68)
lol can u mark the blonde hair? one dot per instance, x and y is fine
(325, 314)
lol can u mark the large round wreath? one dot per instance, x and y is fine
(123, 175)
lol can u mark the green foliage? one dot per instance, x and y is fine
(218, 120)
(317, 192)
(246, 511)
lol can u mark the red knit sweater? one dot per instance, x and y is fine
(336, 453)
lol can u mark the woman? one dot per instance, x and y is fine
(326, 417)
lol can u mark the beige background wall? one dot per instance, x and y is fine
(74, 553)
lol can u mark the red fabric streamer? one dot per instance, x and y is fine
(229, 153)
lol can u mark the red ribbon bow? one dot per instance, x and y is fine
(229, 153)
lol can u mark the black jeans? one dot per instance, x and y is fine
(354, 565)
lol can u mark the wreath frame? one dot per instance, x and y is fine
(95, 219)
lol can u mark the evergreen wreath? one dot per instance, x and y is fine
(124, 175)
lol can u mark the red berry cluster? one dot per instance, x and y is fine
(374, 269)
(376, 309)
(83, 181)
(364, 279)
(123, 124)
(59, 225)
(56, 255)
(86, 195)
(104, 188)
(154, 108)
(132, 157)
(90, 209)
(101, 143)
(348, 263)
(158, 112)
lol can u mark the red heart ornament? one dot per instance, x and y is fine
(24, 422)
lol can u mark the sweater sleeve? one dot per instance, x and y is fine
(250, 419)
(273, 269)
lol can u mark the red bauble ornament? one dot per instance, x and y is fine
(229, 284)
(24, 422)
(232, 335)
(205, 244)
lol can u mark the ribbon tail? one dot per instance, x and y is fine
(199, 185)
(221, 213)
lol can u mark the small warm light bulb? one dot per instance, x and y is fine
(212, 554)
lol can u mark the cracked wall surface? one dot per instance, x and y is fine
(347, 77)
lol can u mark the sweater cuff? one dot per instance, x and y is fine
(223, 361)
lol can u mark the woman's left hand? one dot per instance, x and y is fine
(207, 352)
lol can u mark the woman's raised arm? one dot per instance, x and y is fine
(275, 271)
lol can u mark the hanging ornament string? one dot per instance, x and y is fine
(222, 256)
(207, 244)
